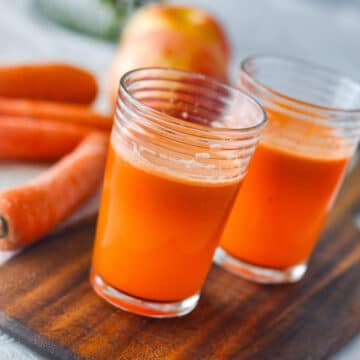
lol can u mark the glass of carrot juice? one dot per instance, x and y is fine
(297, 169)
(180, 147)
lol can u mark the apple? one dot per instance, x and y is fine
(172, 36)
(167, 49)
(192, 21)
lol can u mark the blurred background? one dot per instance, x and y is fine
(85, 32)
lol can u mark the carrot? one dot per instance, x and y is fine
(54, 82)
(30, 211)
(28, 139)
(72, 113)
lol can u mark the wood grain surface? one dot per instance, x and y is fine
(46, 302)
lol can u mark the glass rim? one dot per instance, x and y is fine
(186, 124)
(321, 69)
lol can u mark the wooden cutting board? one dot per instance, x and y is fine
(47, 303)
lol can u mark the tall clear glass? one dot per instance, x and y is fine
(180, 147)
(297, 169)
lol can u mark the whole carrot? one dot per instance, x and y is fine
(54, 82)
(30, 211)
(28, 139)
(70, 113)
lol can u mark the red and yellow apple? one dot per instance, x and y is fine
(172, 36)
(194, 22)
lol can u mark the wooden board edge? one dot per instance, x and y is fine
(35, 342)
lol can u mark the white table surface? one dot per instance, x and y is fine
(323, 31)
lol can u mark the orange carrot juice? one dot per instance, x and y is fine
(281, 208)
(312, 132)
(180, 147)
(157, 231)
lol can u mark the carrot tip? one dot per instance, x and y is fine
(4, 228)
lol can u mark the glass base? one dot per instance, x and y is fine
(154, 309)
(257, 273)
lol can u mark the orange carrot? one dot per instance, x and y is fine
(30, 211)
(28, 139)
(72, 113)
(54, 82)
